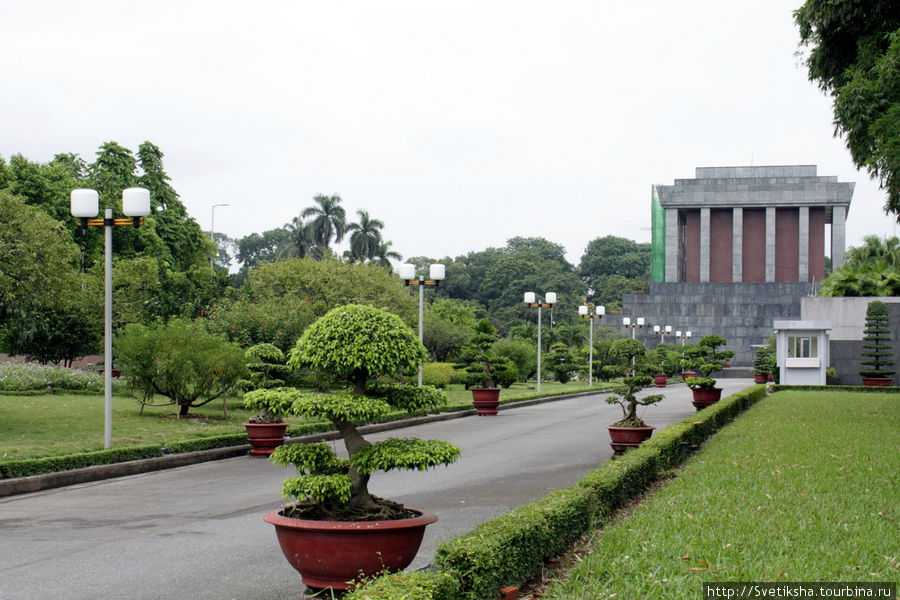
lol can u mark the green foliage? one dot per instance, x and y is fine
(37, 466)
(329, 219)
(278, 320)
(179, 361)
(443, 331)
(328, 283)
(702, 383)
(324, 489)
(877, 341)
(480, 361)
(265, 362)
(16, 376)
(855, 55)
(561, 363)
(274, 401)
(356, 342)
(763, 361)
(415, 585)
(437, 374)
(872, 269)
(613, 266)
(625, 394)
(410, 454)
(412, 399)
(522, 353)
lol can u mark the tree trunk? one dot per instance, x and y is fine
(183, 410)
(353, 441)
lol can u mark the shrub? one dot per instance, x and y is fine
(877, 342)
(277, 320)
(16, 376)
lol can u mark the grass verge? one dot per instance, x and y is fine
(804, 487)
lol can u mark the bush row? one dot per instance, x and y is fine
(512, 548)
(836, 388)
(37, 466)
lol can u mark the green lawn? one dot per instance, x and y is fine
(58, 424)
(803, 487)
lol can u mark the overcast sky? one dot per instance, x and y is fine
(459, 124)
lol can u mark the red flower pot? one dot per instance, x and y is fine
(760, 377)
(705, 397)
(334, 553)
(265, 437)
(624, 438)
(878, 381)
(485, 401)
(660, 380)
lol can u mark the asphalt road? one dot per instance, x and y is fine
(197, 532)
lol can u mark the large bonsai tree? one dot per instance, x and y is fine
(354, 343)
(481, 363)
(877, 342)
(636, 379)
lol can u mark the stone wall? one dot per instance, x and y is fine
(742, 313)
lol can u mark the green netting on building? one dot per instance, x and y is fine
(657, 238)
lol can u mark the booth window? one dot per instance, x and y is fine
(803, 346)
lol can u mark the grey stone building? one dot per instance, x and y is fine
(736, 248)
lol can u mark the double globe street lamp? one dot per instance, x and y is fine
(436, 274)
(84, 204)
(584, 311)
(683, 336)
(549, 301)
(638, 323)
(662, 332)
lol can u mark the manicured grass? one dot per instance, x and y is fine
(805, 486)
(58, 424)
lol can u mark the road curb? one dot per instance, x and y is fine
(36, 483)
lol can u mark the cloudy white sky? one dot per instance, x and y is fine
(459, 124)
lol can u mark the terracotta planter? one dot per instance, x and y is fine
(728, 363)
(686, 374)
(760, 377)
(333, 553)
(265, 437)
(660, 380)
(705, 397)
(485, 401)
(625, 438)
(878, 381)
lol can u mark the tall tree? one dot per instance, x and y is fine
(300, 241)
(385, 255)
(365, 237)
(329, 219)
(854, 54)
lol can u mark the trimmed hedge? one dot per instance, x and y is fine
(37, 466)
(836, 388)
(512, 548)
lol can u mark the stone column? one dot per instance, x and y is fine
(770, 243)
(803, 245)
(838, 235)
(672, 235)
(704, 244)
(737, 244)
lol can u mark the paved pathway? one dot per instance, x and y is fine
(197, 532)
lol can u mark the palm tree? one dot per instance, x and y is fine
(329, 220)
(365, 237)
(301, 241)
(385, 255)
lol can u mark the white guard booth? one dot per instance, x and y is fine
(802, 351)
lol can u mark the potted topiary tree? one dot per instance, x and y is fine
(265, 430)
(877, 346)
(704, 388)
(630, 430)
(334, 530)
(762, 365)
(481, 364)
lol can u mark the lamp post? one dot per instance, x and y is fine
(549, 301)
(663, 332)
(682, 337)
(638, 323)
(436, 273)
(212, 231)
(584, 311)
(83, 205)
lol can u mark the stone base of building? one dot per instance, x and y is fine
(742, 313)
